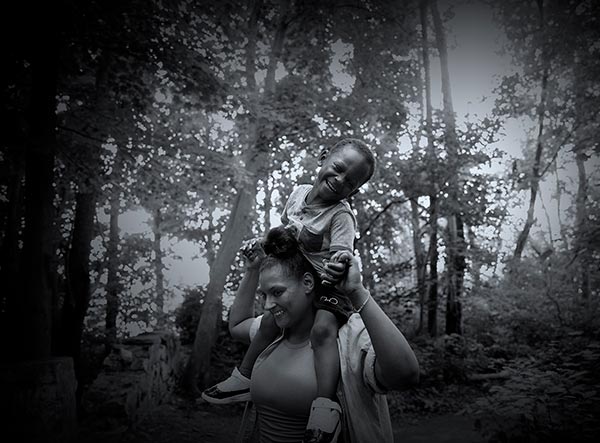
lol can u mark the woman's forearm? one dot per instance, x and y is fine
(243, 304)
(396, 364)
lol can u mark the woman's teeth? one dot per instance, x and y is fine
(277, 313)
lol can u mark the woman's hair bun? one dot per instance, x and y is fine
(281, 242)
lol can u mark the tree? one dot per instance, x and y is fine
(535, 173)
(238, 223)
(455, 248)
(34, 315)
(432, 253)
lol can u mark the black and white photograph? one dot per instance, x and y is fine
(300, 221)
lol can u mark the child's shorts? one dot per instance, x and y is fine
(334, 301)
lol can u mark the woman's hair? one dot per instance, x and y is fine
(362, 148)
(282, 248)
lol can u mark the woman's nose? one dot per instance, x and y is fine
(269, 302)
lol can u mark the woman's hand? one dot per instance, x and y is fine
(253, 253)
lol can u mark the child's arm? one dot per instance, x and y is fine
(342, 233)
(333, 275)
(241, 314)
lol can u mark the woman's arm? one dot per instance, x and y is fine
(396, 365)
(241, 314)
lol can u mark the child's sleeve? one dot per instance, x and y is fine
(342, 232)
(284, 217)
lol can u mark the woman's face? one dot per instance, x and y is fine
(289, 298)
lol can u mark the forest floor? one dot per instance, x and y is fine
(183, 421)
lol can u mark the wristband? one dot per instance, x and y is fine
(364, 304)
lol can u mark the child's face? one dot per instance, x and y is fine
(342, 172)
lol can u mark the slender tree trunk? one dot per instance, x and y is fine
(35, 314)
(475, 260)
(158, 270)
(78, 280)
(432, 305)
(432, 282)
(548, 221)
(535, 174)
(420, 261)
(455, 249)
(239, 219)
(78, 294)
(113, 285)
(561, 226)
(268, 205)
(11, 253)
(583, 224)
(581, 228)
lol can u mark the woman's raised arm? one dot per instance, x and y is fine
(241, 314)
(396, 365)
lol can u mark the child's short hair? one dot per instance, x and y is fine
(361, 147)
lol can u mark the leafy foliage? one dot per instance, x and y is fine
(188, 314)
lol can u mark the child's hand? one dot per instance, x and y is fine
(253, 253)
(335, 268)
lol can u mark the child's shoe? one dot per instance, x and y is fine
(232, 390)
(324, 422)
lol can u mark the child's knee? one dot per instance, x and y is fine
(323, 334)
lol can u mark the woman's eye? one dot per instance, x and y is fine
(277, 292)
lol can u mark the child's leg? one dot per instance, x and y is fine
(236, 388)
(267, 332)
(323, 337)
(324, 420)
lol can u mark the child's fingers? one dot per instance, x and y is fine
(341, 256)
(335, 268)
(326, 280)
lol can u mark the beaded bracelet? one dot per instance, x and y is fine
(364, 303)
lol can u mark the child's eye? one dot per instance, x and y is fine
(337, 167)
(278, 292)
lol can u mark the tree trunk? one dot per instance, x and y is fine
(559, 214)
(113, 285)
(268, 205)
(77, 297)
(36, 304)
(158, 270)
(11, 253)
(78, 279)
(420, 261)
(455, 249)
(535, 174)
(432, 303)
(581, 228)
(475, 260)
(239, 220)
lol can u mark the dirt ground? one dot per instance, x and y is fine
(184, 421)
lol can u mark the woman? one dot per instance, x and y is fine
(374, 355)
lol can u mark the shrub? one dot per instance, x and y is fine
(188, 314)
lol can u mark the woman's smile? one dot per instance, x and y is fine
(277, 312)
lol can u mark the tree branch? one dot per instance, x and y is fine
(380, 213)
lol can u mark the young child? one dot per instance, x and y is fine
(325, 226)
